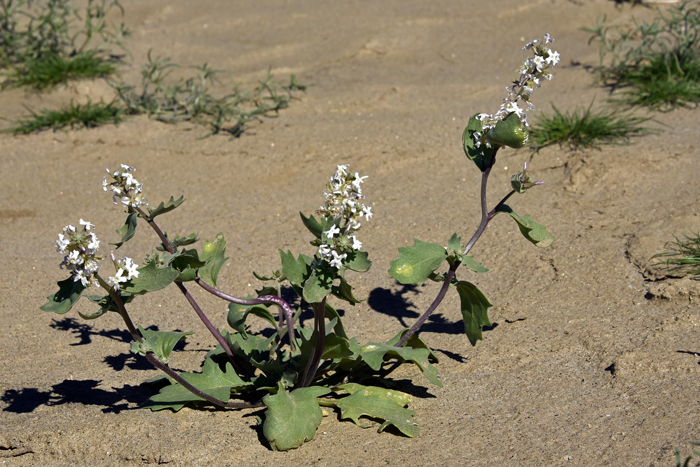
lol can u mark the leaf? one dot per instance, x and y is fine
(106, 304)
(296, 270)
(474, 310)
(69, 292)
(344, 292)
(375, 402)
(318, 285)
(151, 278)
(537, 234)
(481, 156)
(336, 347)
(414, 342)
(508, 132)
(162, 208)
(314, 226)
(237, 315)
(159, 342)
(178, 241)
(292, 418)
(415, 263)
(472, 264)
(358, 261)
(374, 354)
(455, 243)
(332, 314)
(128, 230)
(213, 253)
(211, 380)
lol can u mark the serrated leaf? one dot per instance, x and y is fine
(211, 380)
(159, 342)
(481, 156)
(213, 253)
(128, 230)
(69, 292)
(375, 402)
(178, 241)
(455, 243)
(471, 263)
(537, 234)
(374, 353)
(318, 285)
(314, 226)
(295, 270)
(292, 418)
(151, 278)
(358, 261)
(415, 263)
(162, 208)
(344, 292)
(474, 307)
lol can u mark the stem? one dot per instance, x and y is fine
(319, 343)
(214, 332)
(486, 217)
(121, 308)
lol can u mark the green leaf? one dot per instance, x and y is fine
(336, 347)
(481, 156)
(318, 285)
(314, 226)
(471, 263)
(162, 208)
(537, 234)
(508, 132)
(474, 310)
(128, 230)
(292, 418)
(415, 263)
(344, 292)
(455, 243)
(211, 380)
(106, 304)
(358, 261)
(375, 402)
(158, 342)
(69, 292)
(374, 354)
(331, 314)
(213, 253)
(237, 315)
(178, 241)
(414, 342)
(151, 278)
(295, 270)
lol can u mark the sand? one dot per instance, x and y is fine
(592, 357)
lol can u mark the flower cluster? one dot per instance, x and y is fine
(126, 270)
(80, 247)
(125, 187)
(343, 203)
(532, 72)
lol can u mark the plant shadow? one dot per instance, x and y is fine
(83, 392)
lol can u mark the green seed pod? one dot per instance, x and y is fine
(508, 132)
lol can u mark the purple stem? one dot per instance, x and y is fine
(319, 343)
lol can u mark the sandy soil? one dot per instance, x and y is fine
(591, 360)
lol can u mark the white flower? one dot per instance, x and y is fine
(552, 58)
(125, 188)
(356, 244)
(331, 232)
(86, 224)
(82, 277)
(337, 261)
(61, 243)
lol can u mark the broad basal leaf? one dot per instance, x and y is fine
(415, 263)
(531, 230)
(151, 278)
(162, 208)
(481, 156)
(292, 418)
(213, 253)
(61, 302)
(159, 342)
(375, 402)
(128, 230)
(374, 354)
(211, 380)
(474, 310)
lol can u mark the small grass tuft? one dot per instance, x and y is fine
(73, 115)
(683, 256)
(586, 129)
(58, 69)
(657, 64)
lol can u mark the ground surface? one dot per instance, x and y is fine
(591, 358)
